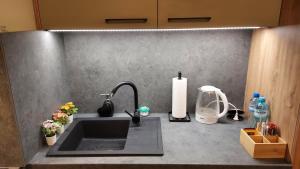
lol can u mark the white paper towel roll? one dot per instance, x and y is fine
(179, 94)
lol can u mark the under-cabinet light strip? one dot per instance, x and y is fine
(152, 30)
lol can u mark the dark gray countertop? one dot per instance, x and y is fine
(185, 144)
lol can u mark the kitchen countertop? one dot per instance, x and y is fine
(185, 144)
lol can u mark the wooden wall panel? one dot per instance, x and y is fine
(274, 71)
(290, 12)
(11, 154)
(297, 144)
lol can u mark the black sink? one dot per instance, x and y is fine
(93, 135)
(109, 137)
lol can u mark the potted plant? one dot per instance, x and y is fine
(49, 131)
(60, 119)
(59, 127)
(70, 109)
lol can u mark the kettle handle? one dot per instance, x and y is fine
(225, 102)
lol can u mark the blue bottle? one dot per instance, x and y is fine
(261, 113)
(253, 102)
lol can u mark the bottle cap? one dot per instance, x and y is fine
(262, 99)
(256, 95)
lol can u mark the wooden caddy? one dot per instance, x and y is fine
(260, 146)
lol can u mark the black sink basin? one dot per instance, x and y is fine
(109, 137)
(94, 135)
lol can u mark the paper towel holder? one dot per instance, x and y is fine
(187, 118)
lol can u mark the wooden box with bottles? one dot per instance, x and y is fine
(262, 146)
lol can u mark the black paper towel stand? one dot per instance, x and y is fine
(186, 119)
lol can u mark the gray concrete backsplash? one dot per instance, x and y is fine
(35, 62)
(96, 62)
(47, 69)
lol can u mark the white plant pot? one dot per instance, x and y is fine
(61, 129)
(51, 140)
(70, 119)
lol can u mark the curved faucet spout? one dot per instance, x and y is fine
(136, 116)
(128, 83)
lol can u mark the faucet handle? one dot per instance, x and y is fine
(107, 95)
(135, 118)
(129, 114)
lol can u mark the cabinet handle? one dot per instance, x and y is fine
(190, 19)
(127, 20)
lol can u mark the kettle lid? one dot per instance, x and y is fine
(208, 88)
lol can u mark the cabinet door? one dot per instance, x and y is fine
(16, 15)
(217, 13)
(95, 14)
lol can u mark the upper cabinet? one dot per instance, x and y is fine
(103, 14)
(217, 13)
(16, 15)
(24, 15)
(96, 14)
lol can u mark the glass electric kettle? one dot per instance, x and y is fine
(208, 104)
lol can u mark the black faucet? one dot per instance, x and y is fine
(136, 115)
